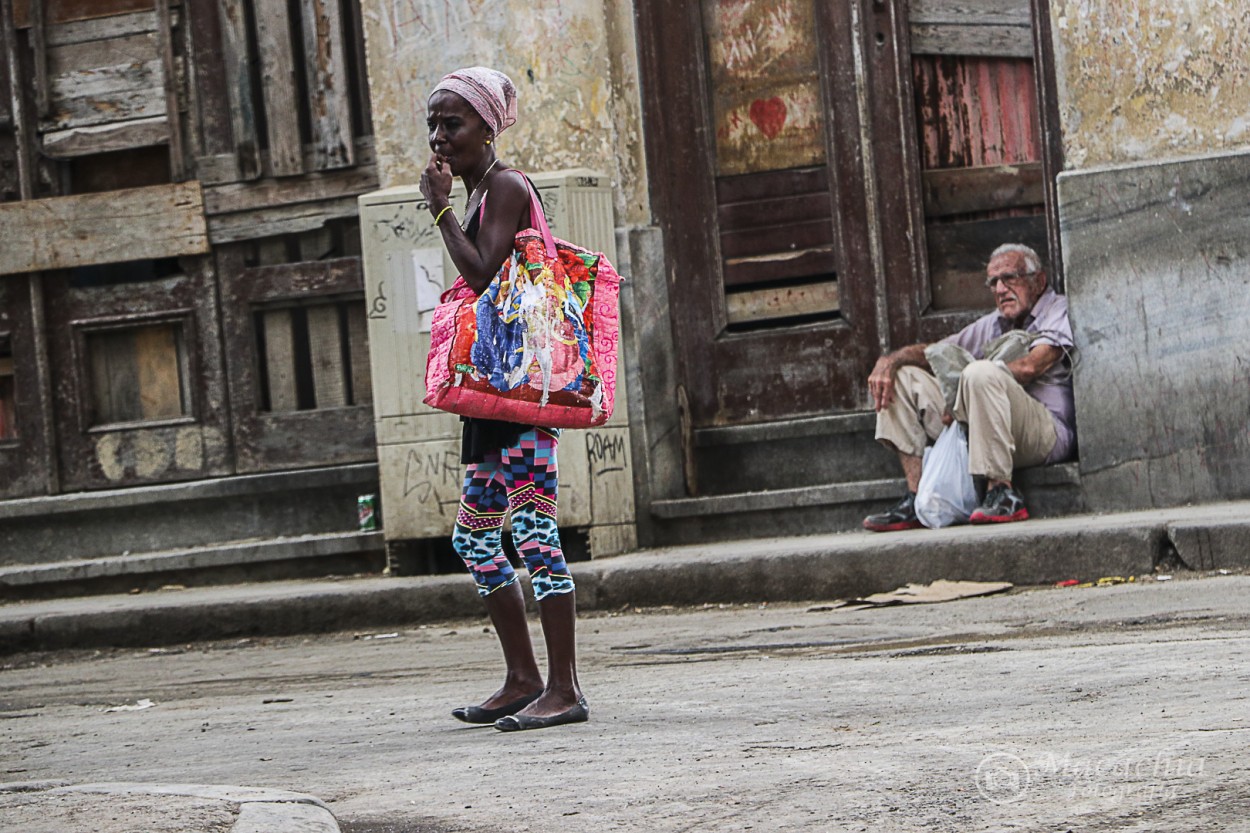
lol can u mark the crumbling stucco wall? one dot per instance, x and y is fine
(1144, 79)
(574, 63)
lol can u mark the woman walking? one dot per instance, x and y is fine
(509, 466)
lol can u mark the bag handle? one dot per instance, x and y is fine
(536, 210)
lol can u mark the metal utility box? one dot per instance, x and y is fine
(406, 269)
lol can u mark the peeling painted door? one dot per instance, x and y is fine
(809, 166)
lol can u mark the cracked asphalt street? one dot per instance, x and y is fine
(1119, 708)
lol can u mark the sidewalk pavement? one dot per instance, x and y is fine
(849, 565)
(53, 807)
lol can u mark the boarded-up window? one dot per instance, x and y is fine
(138, 374)
(313, 356)
(8, 401)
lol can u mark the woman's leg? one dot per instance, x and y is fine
(531, 473)
(479, 524)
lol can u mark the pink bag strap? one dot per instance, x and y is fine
(536, 210)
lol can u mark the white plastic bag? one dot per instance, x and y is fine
(946, 494)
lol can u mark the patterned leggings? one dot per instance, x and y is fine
(522, 478)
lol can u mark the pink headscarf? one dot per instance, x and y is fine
(488, 91)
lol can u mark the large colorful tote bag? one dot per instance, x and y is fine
(538, 346)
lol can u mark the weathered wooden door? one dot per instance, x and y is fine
(790, 143)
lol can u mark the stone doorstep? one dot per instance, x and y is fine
(259, 810)
(831, 494)
(194, 558)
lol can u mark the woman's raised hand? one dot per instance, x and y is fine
(436, 183)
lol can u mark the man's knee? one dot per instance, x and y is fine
(908, 377)
(984, 375)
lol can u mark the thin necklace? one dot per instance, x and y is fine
(468, 215)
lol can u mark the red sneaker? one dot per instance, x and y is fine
(1002, 505)
(898, 517)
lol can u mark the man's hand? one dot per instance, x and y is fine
(881, 383)
(881, 380)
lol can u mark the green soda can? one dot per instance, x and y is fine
(367, 512)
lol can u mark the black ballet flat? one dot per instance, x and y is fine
(477, 714)
(519, 722)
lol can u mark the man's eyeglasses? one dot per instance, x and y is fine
(1012, 279)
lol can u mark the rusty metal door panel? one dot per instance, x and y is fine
(138, 381)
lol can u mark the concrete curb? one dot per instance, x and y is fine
(257, 810)
(779, 569)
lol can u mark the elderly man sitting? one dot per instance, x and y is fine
(1018, 413)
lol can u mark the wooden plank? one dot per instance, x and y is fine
(114, 107)
(359, 72)
(781, 302)
(169, 73)
(270, 193)
(280, 360)
(218, 169)
(358, 353)
(135, 224)
(17, 109)
(278, 88)
(67, 11)
(986, 188)
(988, 41)
(99, 66)
(983, 12)
(329, 88)
(104, 28)
(222, 169)
(780, 266)
(236, 60)
(114, 377)
(209, 101)
(811, 235)
(105, 138)
(290, 219)
(325, 345)
(105, 81)
(39, 45)
(771, 185)
(156, 364)
(774, 212)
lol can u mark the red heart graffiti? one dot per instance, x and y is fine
(769, 115)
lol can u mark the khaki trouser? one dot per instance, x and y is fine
(1007, 428)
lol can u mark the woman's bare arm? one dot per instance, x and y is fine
(508, 204)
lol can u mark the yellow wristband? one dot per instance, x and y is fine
(441, 213)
